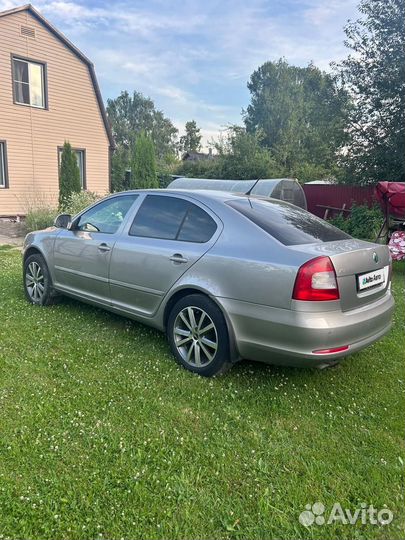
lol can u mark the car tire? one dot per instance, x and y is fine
(198, 336)
(37, 281)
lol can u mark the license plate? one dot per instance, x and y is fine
(371, 279)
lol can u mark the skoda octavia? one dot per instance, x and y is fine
(226, 276)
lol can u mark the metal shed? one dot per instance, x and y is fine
(284, 189)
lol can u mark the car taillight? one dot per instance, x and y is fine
(316, 281)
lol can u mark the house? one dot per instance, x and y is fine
(197, 156)
(48, 95)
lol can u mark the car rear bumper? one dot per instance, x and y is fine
(288, 337)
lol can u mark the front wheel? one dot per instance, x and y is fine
(198, 336)
(37, 281)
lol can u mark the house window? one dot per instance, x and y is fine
(3, 165)
(80, 158)
(29, 83)
(80, 154)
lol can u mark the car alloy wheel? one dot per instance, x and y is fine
(195, 336)
(35, 282)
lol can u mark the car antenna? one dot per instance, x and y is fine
(249, 191)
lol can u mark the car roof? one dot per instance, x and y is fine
(200, 194)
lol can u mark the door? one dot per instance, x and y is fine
(167, 236)
(82, 254)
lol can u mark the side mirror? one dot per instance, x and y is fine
(63, 221)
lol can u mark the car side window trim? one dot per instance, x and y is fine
(181, 225)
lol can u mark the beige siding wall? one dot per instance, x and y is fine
(33, 135)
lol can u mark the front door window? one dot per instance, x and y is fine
(107, 216)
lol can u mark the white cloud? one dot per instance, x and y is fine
(123, 15)
(194, 58)
(174, 93)
(322, 13)
(7, 4)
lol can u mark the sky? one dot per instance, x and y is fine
(193, 57)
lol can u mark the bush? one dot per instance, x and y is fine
(166, 167)
(120, 164)
(239, 156)
(199, 169)
(340, 222)
(306, 172)
(164, 180)
(40, 218)
(41, 215)
(69, 175)
(79, 201)
(143, 164)
(363, 222)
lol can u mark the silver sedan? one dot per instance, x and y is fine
(226, 276)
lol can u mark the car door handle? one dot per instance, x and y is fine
(104, 247)
(178, 258)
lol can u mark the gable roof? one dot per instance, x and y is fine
(35, 13)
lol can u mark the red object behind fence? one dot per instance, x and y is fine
(391, 196)
(320, 196)
(397, 245)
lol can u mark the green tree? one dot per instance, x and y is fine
(130, 115)
(199, 169)
(242, 156)
(143, 164)
(191, 141)
(120, 164)
(374, 73)
(301, 113)
(239, 156)
(165, 169)
(69, 175)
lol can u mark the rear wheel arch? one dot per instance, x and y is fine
(198, 335)
(174, 298)
(187, 291)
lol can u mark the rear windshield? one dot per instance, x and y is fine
(289, 224)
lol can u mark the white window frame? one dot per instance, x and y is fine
(43, 79)
(3, 166)
(82, 169)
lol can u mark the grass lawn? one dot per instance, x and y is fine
(102, 435)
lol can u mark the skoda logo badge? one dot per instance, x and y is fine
(375, 257)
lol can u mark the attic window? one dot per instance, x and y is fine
(27, 31)
(29, 82)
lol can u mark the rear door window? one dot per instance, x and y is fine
(172, 218)
(289, 224)
(197, 226)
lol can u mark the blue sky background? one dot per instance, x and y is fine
(193, 57)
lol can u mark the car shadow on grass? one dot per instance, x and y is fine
(242, 375)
